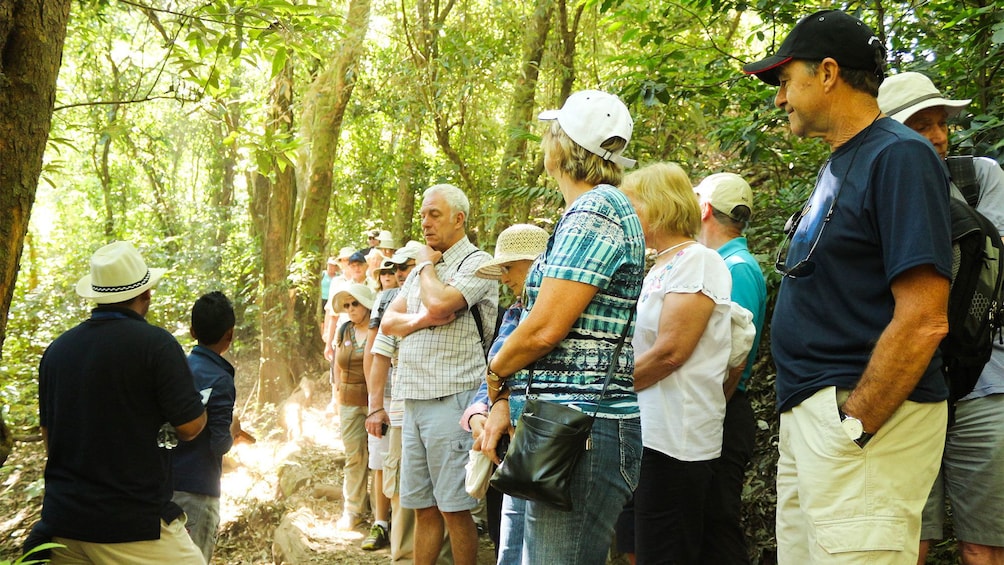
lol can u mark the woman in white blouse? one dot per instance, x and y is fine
(682, 344)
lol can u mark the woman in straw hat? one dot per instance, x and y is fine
(516, 248)
(348, 384)
(580, 297)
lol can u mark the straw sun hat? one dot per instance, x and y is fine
(118, 273)
(362, 293)
(519, 241)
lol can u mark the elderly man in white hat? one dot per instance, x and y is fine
(115, 395)
(972, 470)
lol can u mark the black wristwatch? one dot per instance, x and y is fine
(854, 429)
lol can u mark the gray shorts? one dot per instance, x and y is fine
(972, 476)
(434, 451)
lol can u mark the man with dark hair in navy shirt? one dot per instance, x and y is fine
(198, 464)
(115, 394)
(861, 309)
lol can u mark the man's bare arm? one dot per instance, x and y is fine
(919, 323)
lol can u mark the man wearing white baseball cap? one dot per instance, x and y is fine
(972, 469)
(115, 394)
(726, 207)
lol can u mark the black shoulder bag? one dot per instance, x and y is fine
(548, 442)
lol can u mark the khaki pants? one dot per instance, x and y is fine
(838, 503)
(354, 439)
(174, 546)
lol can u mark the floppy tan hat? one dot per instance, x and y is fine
(903, 95)
(360, 292)
(118, 273)
(386, 240)
(518, 241)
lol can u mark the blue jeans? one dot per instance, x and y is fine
(511, 531)
(602, 483)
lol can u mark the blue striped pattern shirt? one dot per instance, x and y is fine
(598, 241)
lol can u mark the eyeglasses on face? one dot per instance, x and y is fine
(406, 266)
(347, 305)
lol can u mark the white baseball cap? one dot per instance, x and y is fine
(725, 191)
(590, 117)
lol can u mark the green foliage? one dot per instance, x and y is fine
(27, 558)
(163, 121)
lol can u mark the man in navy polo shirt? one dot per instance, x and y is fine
(115, 394)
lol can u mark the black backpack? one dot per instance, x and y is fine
(975, 301)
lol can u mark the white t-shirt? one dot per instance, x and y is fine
(682, 414)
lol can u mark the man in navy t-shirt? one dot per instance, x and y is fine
(861, 310)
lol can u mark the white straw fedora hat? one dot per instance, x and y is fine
(518, 241)
(360, 292)
(118, 273)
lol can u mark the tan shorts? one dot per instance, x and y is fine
(174, 546)
(839, 503)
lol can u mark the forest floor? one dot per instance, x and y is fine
(253, 504)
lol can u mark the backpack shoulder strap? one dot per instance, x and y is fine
(341, 330)
(963, 173)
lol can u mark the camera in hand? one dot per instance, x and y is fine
(502, 446)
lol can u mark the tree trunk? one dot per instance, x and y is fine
(522, 106)
(31, 43)
(405, 209)
(275, 375)
(327, 99)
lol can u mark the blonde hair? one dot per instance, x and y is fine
(579, 163)
(664, 197)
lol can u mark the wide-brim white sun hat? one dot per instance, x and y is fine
(903, 95)
(590, 117)
(118, 273)
(516, 242)
(360, 292)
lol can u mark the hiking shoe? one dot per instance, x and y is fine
(377, 539)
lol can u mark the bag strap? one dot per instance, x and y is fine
(475, 311)
(610, 370)
(963, 173)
